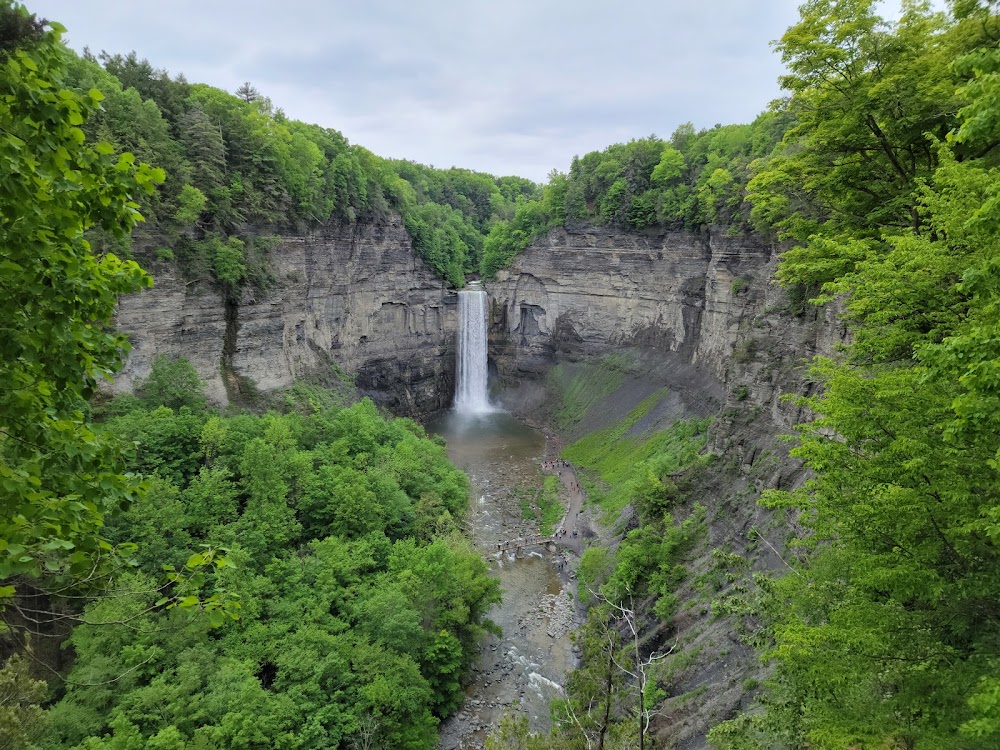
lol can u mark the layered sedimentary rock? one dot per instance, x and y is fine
(351, 297)
(704, 301)
(356, 297)
(699, 312)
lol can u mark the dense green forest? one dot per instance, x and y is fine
(886, 635)
(693, 180)
(238, 173)
(879, 172)
(348, 602)
(292, 579)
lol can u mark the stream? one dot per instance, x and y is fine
(525, 669)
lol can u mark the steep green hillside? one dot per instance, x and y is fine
(881, 178)
(238, 170)
(319, 592)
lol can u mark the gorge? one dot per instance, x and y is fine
(358, 298)
(694, 445)
(697, 315)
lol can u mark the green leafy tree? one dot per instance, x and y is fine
(173, 383)
(596, 694)
(191, 204)
(886, 633)
(206, 151)
(865, 95)
(57, 477)
(228, 261)
(350, 632)
(21, 714)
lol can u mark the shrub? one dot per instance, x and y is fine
(173, 382)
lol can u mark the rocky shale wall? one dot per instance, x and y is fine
(350, 296)
(705, 304)
(356, 296)
(700, 311)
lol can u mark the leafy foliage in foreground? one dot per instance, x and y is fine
(361, 603)
(887, 633)
(57, 477)
(885, 180)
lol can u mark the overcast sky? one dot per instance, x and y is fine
(502, 86)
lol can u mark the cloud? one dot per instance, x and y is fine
(514, 87)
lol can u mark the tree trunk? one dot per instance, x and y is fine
(607, 700)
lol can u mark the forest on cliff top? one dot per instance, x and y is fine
(878, 173)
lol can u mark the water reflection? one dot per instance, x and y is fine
(488, 437)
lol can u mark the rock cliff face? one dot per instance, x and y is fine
(700, 310)
(706, 303)
(357, 297)
(353, 296)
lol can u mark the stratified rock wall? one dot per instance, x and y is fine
(697, 313)
(706, 301)
(700, 315)
(354, 296)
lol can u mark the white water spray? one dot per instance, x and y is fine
(470, 359)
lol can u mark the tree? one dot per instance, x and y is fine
(19, 29)
(191, 204)
(865, 95)
(595, 691)
(57, 477)
(170, 95)
(886, 633)
(513, 734)
(20, 713)
(247, 92)
(173, 382)
(640, 668)
(202, 140)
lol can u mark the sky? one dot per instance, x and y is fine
(506, 87)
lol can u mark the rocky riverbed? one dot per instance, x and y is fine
(523, 670)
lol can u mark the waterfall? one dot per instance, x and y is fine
(470, 359)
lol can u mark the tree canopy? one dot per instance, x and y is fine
(360, 602)
(236, 167)
(886, 634)
(57, 476)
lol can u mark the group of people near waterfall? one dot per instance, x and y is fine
(514, 544)
(558, 466)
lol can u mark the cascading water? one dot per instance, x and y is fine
(470, 359)
(503, 459)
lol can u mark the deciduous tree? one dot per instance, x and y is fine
(57, 477)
